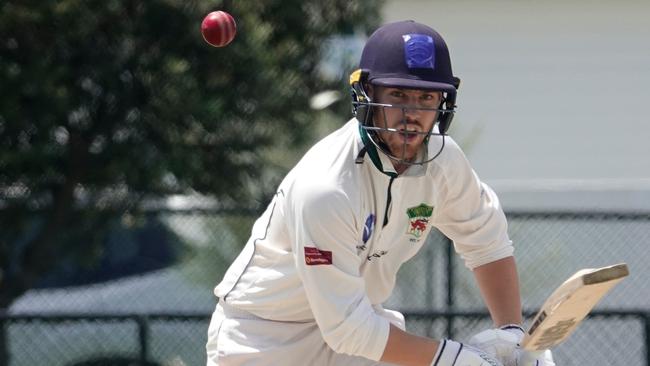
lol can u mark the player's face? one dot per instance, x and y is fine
(406, 116)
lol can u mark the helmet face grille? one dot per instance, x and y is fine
(374, 129)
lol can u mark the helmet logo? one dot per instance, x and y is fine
(419, 51)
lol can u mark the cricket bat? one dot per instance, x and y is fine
(569, 304)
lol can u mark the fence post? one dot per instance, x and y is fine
(646, 321)
(429, 290)
(143, 335)
(4, 339)
(450, 287)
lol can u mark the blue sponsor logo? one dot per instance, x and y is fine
(368, 227)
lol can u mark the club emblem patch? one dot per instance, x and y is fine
(418, 219)
(315, 256)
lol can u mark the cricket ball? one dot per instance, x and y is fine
(218, 28)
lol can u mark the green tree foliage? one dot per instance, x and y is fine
(106, 102)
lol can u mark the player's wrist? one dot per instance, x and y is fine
(445, 352)
(512, 326)
(452, 353)
(515, 329)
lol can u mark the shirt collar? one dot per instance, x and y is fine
(384, 164)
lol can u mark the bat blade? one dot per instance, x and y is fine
(569, 304)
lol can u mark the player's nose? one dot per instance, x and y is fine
(411, 116)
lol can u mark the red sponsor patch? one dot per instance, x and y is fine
(315, 256)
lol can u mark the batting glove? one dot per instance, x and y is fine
(539, 358)
(451, 353)
(502, 343)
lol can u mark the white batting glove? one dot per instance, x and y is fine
(502, 343)
(540, 358)
(451, 353)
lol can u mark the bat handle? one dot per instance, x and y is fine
(529, 358)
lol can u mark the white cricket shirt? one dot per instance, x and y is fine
(328, 247)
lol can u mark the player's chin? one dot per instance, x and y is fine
(406, 153)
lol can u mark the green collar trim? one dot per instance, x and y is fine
(372, 152)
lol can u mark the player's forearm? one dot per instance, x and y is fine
(408, 349)
(499, 285)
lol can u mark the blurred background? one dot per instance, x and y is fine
(134, 158)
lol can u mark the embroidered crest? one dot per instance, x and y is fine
(418, 219)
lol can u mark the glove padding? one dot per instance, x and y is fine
(503, 344)
(531, 358)
(451, 353)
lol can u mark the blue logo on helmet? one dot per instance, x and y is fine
(419, 51)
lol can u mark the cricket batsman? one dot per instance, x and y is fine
(308, 287)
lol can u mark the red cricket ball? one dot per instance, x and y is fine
(218, 28)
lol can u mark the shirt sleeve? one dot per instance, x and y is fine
(324, 240)
(469, 213)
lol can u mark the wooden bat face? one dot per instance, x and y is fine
(569, 304)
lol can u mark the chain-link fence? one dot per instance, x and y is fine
(161, 317)
(549, 246)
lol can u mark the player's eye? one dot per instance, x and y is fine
(429, 99)
(430, 96)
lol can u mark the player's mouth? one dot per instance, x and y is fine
(408, 135)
